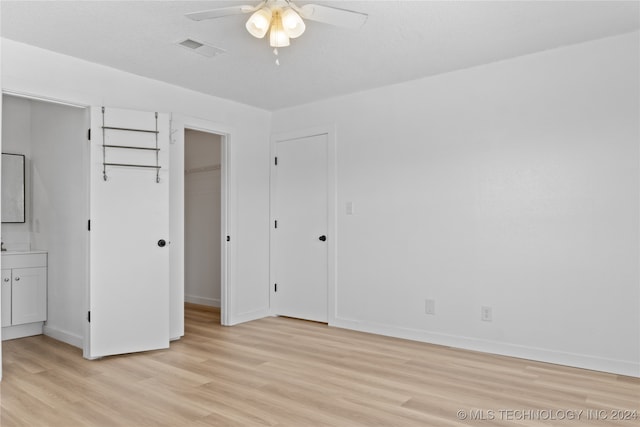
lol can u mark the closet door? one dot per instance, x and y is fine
(129, 228)
(299, 260)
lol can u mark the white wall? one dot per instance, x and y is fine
(202, 218)
(59, 214)
(16, 139)
(513, 185)
(27, 69)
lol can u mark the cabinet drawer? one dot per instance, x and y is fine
(24, 260)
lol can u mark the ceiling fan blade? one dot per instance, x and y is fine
(222, 12)
(333, 16)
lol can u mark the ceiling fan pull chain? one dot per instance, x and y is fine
(275, 52)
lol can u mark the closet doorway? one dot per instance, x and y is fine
(203, 237)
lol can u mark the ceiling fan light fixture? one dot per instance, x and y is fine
(278, 37)
(292, 23)
(283, 19)
(258, 23)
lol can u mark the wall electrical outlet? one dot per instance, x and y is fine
(486, 314)
(429, 306)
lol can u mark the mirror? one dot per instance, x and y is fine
(13, 197)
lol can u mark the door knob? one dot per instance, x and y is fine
(322, 238)
(6, 279)
(17, 279)
(162, 243)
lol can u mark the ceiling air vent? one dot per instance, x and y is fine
(201, 48)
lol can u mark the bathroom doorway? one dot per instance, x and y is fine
(52, 137)
(203, 237)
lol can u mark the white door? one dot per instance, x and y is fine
(300, 218)
(129, 214)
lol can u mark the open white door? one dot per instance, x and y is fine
(129, 226)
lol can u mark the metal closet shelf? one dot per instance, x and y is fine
(130, 147)
(132, 165)
(155, 149)
(130, 129)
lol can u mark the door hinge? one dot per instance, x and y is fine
(89, 134)
(89, 225)
(228, 238)
(276, 161)
(275, 223)
(275, 287)
(89, 316)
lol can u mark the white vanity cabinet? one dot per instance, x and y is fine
(24, 293)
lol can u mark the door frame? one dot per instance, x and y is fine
(179, 124)
(332, 194)
(85, 149)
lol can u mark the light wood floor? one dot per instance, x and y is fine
(286, 372)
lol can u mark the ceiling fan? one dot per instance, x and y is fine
(283, 19)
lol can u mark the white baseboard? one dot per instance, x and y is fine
(620, 367)
(21, 331)
(64, 336)
(211, 302)
(247, 316)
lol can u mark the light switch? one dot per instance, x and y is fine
(349, 208)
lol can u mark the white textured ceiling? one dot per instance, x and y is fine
(402, 40)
